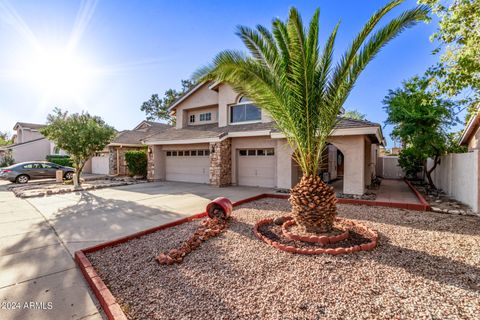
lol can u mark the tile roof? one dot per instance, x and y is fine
(135, 137)
(213, 131)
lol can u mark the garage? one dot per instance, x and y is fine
(100, 163)
(256, 167)
(187, 165)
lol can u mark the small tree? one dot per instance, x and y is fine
(137, 162)
(421, 118)
(79, 134)
(157, 108)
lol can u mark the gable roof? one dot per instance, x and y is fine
(186, 95)
(134, 137)
(34, 126)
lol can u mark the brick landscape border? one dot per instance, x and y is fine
(110, 306)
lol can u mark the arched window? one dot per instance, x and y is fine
(244, 111)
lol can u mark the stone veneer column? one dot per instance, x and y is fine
(221, 163)
(150, 164)
(112, 158)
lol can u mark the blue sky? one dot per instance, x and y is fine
(123, 51)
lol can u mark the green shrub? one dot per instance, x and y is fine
(137, 162)
(7, 159)
(410, 162)
(60, 160)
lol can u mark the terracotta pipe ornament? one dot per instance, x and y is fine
(218, 210)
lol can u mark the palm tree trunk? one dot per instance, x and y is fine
(313, 205)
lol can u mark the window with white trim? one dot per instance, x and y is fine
(206, 116)
(192, 118)
(244, 111)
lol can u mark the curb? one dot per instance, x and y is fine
(113, 310)
(420, 198)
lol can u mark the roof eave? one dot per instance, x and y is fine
(186, 95)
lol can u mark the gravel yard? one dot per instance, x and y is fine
(427, 266)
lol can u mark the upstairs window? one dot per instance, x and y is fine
(244, 111)
(206, 116)
(192, 118)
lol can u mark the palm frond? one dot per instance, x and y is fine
(288, 75)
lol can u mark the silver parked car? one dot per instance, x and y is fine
(22, 172)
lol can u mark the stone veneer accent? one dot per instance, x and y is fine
(150, 164)
(221, 163)
(123, 163)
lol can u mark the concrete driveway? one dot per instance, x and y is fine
(39, 236)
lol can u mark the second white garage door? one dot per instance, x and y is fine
(187, 166)
(256, 167)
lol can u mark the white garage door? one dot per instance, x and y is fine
(100, 164)
(187, 165)
(256, 167)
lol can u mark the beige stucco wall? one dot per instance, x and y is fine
(37, 150)
(198, 111)
(458, 176)
(218, 101)
(353, 149)
(250, 142)
(284, 154)
(201, 98)
(473, 143)
(226, 97)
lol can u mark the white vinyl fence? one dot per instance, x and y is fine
(388, 168)
(458, 176)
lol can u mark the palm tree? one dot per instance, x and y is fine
(288, 75)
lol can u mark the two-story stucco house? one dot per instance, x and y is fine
(222, 138)
(29, 144)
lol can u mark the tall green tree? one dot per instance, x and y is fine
(298, 84)
(458, 71)
(156, 108)
(79, 134)
(421, 119)
(354, 114)
(5, 138)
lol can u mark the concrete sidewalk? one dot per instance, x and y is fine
(391, 190)
(35, 267)
(39, 236)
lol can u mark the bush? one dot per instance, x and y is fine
(137, 162)
(410, 162)
(7, 160)
(60, 160)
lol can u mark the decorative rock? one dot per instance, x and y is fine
(279, 220)
(208, 228)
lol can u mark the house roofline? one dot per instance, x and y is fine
(22, 143)
(125, 145)
(186, 95)
(467, 132)
(373, 130)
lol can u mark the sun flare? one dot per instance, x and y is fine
(58, 72)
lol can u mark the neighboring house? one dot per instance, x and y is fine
(222, 138)
(112, 159)
(471, 133)
(29, 144)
